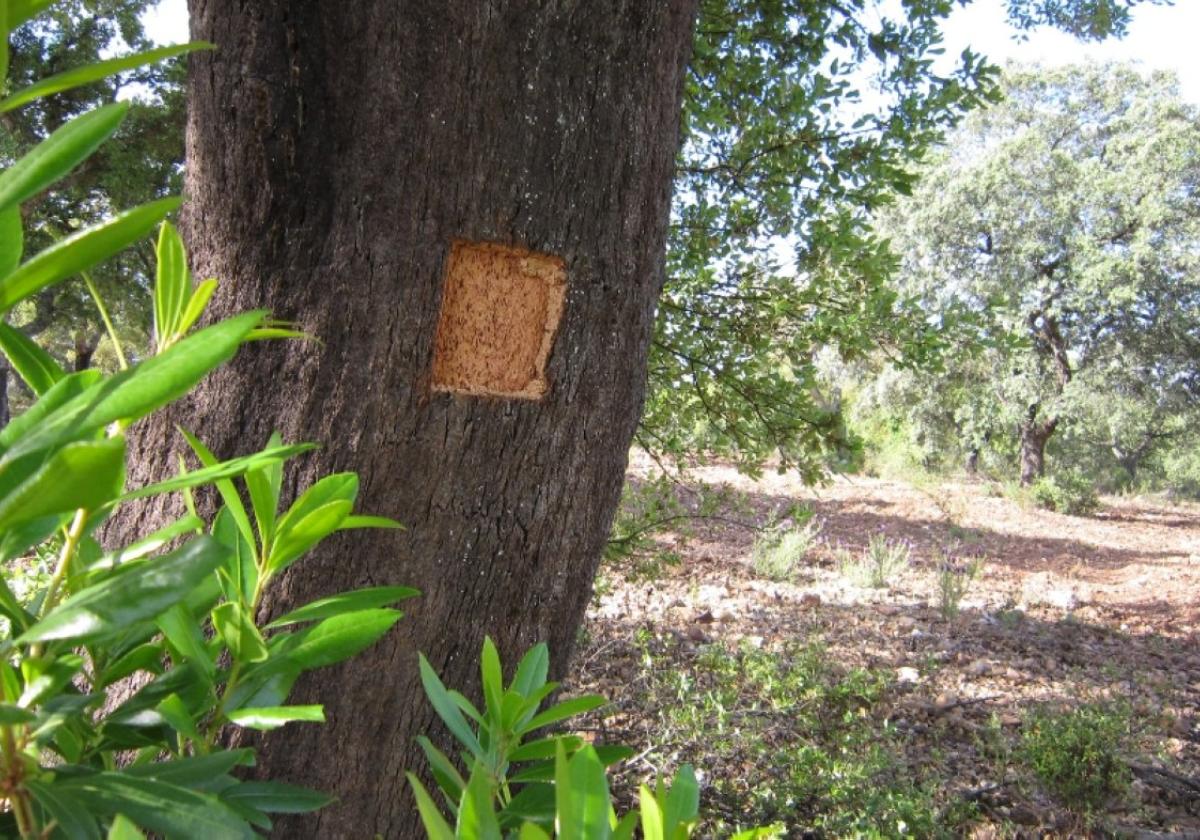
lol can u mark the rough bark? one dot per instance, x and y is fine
(335, 153)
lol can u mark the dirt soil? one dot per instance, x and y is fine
(1064, 609)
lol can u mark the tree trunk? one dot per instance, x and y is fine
(5, 408)
(414, 183)
(1033, 436)
(971, 464)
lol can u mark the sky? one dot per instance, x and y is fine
(1160, 38)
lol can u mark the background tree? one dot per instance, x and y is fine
(801, 119)
(144, 161)
(1065, 221)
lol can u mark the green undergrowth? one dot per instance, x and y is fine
(788, 736)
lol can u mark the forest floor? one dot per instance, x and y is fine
(836, 705)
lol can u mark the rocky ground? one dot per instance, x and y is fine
(1063, 610)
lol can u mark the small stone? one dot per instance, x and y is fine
(908, 675)
(979, 668)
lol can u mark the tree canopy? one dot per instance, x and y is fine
(1062, 226)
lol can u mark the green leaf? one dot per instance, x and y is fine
(435, 824)
(160, 807)
(267, 718)
(136, 592)
(532, 670)
(122, 828)
(89, 73)
(12, 240)
(239, 576)
(20, 11)
(84, 475)
(34, 417)
(264, 685)
(584, 786)
(263, 504)
(183, 633)
(624, 829)
(492, 680)
(30, 361)
(447, 709)
(652, 816)
(544, 748)
(153, 542)
(277, 797)
(562, 711)
(476, 816)
(361, 599)
(237, 629)
(530, 831)
(200, 772)
(225, 469)
(444, 772)
(533, 803)
(173, 283)
(132, 394)
(229, 494)
(352, 522)
(147, 657)
(59, 153)
(196, 305)
(82, 250)
(43, 678)
(295, 537)
(338, 487)
(71, 814)
(682, 807)
(341, 637)
(11, 715)
(177, 715)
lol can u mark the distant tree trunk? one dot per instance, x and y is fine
(5, 410)
(1033, 435)
(372, 170)
(85, 349)
(972, 462)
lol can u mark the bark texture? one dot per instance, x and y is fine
(335, 153)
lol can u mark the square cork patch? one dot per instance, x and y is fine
(500, 311)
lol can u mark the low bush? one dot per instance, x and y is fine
(879, 564)
(789, 736)
(954, 579)
(1076, 754)
(1065, 492)
(778, 553)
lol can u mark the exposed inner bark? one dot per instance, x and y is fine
(336, 150)
(501, 307)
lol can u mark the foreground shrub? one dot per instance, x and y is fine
(555, 785)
